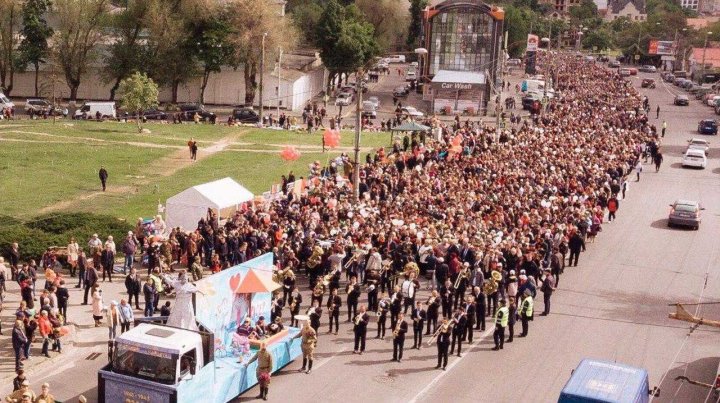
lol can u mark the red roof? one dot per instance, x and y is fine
(712, 56)
(256, 282)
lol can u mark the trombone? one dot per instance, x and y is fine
(442, 328)
(464, 273)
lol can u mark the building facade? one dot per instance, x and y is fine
(632, 9)
(463, 40)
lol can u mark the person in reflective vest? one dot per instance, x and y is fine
(501, 322)
(526, 312)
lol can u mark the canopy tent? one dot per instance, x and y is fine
(408, 126)
(186, 208)
(256, 282)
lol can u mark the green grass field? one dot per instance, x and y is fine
(48, 167)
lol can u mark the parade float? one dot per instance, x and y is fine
(160, 363)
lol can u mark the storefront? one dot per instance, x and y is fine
(457, 92)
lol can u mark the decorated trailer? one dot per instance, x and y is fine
(160, 363)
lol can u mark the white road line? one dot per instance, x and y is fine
(336, 353)
(452, 364)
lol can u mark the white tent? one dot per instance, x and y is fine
(186, 208)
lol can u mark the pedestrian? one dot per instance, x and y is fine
(46, 329)
(103, 174)
(657, 112)
(91, 279)
(638, 170)
(658, 160)
(45, 395)
(149, 291)
(418, 315)
(548, 287)
(81, 266)
(575, 244)
(612, 205)
(308, 344)
(126, 315)
(62, 299)
(133, 286)
(526, 311)
(264, 369)
(443, 343)
(107, 258)
(129, 247)
(512, 317)
(501, 322)
(360, 329)
(19, 379)
(19, 341)
(112, 316)
(97, 305)
(664, 126)
(401, 328)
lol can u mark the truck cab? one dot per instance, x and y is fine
(609, 382)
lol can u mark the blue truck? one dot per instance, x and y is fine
(606, 382)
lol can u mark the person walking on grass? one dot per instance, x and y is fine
(103, 174)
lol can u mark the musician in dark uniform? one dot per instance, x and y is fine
(458, 330)
(462, 286)
(443, 343)
(315, 313)
(318, 292)
(470, 315)
(383, 308)
(399, 331)
(396, 302)
(277, 307)
(372, 279)
(295, 301)
(353, 295)
(446, 295)
(433, 308)
(418, 315)
(334, 303)
(360, 329)
(288, 285)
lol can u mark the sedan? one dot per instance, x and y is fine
(375, 101)
(681, 100)
(614, 64)
(343, 99)
(648, 69)
(694, 158)
(707, 126)
(633, 71)
(400, 92)
(700, 144)
(625, 72)
(686, 213)
(412, 112)
(647, 83)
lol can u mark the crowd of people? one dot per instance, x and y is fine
(459, 228)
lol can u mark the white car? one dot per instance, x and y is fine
(694, 158)
(700, 144)
(343, 99)
(410, 76)
(711, 101)
(412, 112)
(414, 64)
(375, 101)
(395, 59)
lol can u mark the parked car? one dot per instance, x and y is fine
(410, 76)
(40, 106)
(188, 111)
(693, 89)
(369, 110)
(717, 109)
(395, 59)
(647, 83)
(700, 144)
(624, 72)
(245, 114)
(687, 84)
(682, 100)
(633, 71)
(412, 112)
(648, 69)
(614, 64)
(685, 213)
(695, 158)
(680, 74)
(344, 99)
(707, 126)
(90, 110)
(401, 92)
(678, 80)
(710, 99)
(375, 101)
(5, 102)
(669, 77)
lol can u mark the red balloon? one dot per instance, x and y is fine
(331, 138)
(289, 153)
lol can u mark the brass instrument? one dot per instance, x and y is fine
(396, 331)
(464, 273)
(326, 279)
(316, 258)
(444, 328)
(319, 289)
(358, 319)
(411, 267)
(354, 258)
(490, 286)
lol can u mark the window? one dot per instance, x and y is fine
(187, 363)
(461, 40)
(145, 363)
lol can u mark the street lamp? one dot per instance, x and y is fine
(702, 76)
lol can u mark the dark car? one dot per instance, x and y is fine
(245, 115)
(614, 64)
(707, 126)
(669, 78)
(681, 100)
(647, 83)
(154, 114)
(188, 111)
(400, 92)
(530, 103)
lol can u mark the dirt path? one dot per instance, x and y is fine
(164, 167)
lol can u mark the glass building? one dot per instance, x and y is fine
(462, 36)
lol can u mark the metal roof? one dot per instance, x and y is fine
(464, 77)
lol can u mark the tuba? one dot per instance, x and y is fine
(316, 258)
(490, 287)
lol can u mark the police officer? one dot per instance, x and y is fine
(526, 312)
(501, 322)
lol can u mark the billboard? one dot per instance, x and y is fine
(661, 47)
(532, 43)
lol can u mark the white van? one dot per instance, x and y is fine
(5, 102)
(396, 59)
(89, 110)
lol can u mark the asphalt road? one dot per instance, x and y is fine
(612, 306)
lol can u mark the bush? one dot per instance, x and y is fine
(36, 235)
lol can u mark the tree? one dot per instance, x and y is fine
(598, 39)
(389, 19)
(415, 29)
(79, 29)
(209, 41)
(584, 11)
(138, 93)
(34, 47)
(127, 53)
(517, 25)
(250, 22)
(10, 12)
(306, 18)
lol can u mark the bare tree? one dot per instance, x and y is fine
(10, 18)
(80, 28)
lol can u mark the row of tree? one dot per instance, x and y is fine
(175, 41)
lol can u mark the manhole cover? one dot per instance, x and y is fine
(384, 379)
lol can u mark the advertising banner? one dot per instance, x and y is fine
(661, 47)
(532, 43)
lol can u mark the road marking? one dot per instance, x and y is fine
(336, 353)
(452, 364)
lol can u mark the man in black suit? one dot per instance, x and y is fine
(91, 278)
(418, 315)
(62, 298)
(360, 329)
(399, 331)
(458, 331)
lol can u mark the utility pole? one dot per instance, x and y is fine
(358, 125)
(278, 88)
(262, 71)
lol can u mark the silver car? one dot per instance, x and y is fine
(685, 213)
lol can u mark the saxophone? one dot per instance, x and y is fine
(358, 319)
(396, 332)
